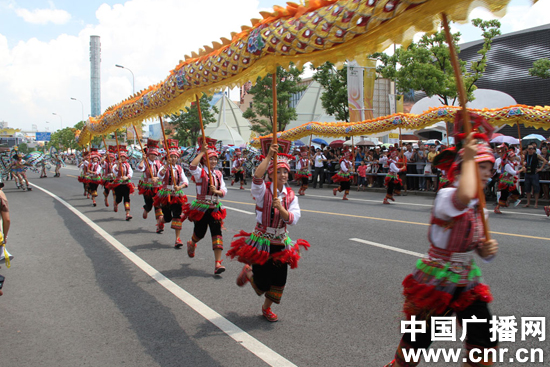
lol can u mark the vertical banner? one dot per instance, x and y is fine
(368, 85)
(361, 90)
(391, 98)
(355, 92)
(399, 103)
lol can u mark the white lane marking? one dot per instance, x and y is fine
(266, 354)
(238, 210)
(396, 249)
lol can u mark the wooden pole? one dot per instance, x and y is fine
(204, 140)
(275, 130)
(167, 154)
(145, 156)
(106, 150)
(520, 145)
(465, 116)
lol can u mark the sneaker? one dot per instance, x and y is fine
(128, 217)
(517, 202)
(242, 279)
(269, 315)
(334, 191)
(160, 227)
(191, 248)
(497, 210)
(178, 245)
(219, 268)
(547, 210)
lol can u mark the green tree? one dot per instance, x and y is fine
(541, 68)
(261, 113)
(426, 65)
(187, 127)
(335, 84)
(23, 148)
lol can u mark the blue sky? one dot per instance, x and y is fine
(44, 47)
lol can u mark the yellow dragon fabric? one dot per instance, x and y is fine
(318, 31)
(527, 115)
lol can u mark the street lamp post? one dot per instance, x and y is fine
(60, 118)
(133, 92)
(74, 99)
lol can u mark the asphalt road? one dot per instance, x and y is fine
(72, 299)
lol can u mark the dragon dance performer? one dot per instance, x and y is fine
(170, 197)
(343, 177)
(84, 172)
(58, 162)
(121, 185)
(302, 170)
(148, 186)
(94, 178)
(108, 175)
(508, 178)
(269, 249)
(392, 181)
(238, 169)
(207, 211)
(448, 280)
(19, 169)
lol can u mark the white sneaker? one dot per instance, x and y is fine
(3, 257)
(517, 202)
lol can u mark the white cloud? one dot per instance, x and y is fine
(43, 16)
(147, 36)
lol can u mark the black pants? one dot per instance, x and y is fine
(305, 181)
(270, 278)
(207, 222)
(345, 185)
(122, 192)
(240, 176)
(319, 172)
(148, 203)
(171, 211)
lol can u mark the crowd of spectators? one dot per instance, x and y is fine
(371, 166)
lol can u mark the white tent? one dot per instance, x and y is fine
(230, 126)
(310, 108)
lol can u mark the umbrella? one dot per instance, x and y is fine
(504, 139)
(360, 143)
(299, 143)
(534, 137)
(432, 142)
(336, 144)
(319, 141)
(365, 142)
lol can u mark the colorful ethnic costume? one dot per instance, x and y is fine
(508, 179)
(343, 177)
(147, 187)
(447, 280)
(237, 169)
(268, 248)
(207, 212)
(93, 176)
(83, 173)
(123, 187)
(392, 182)
(108, 175)
(170, 198)
(302, 170)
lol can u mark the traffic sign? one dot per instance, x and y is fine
(43, 136)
